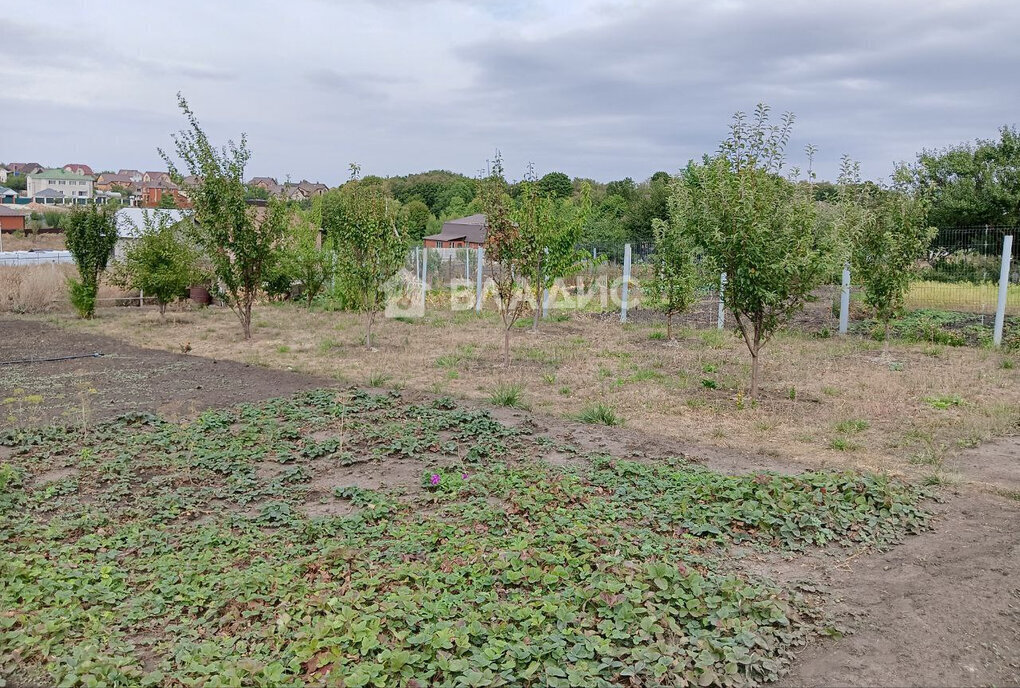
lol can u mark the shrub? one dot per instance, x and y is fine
(509, 394)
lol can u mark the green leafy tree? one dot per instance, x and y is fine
(416, 216)
(555, 185)
(167, 201)
(550, 230)
(758, 227)
(972, 184)
(17, 182)
(893, 238)
(369, 246)
(675, 275)
(161, 262)
(509, 252)
(307, 261)
(240, 240)
(90, 237)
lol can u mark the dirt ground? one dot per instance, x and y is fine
(939, 609)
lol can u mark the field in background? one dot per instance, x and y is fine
(827, 401)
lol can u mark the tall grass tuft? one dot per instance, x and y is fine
(599, 414)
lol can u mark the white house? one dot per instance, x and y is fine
(69, 184)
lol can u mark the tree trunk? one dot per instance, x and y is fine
(669, 326)
(755, 368)
(506, 347)
(538, 306)
(885, 340)
(368, 334)
(246, 320)
(162, 310)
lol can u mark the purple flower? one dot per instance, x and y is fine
(435, 479)
(464, 477)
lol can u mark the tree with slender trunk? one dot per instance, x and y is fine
(369, 246)
(508, 252)
(161, 263)
(675, 276)
(757, 226)
(888, 246)
(240, 240)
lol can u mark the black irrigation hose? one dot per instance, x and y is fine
(47, 360)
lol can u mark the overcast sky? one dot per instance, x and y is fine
(594, 88)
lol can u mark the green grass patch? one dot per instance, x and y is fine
(599, 414)
(510, 394)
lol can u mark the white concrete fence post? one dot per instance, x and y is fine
(1000, 308)
(424, 277)
(720, 318)
(844, 301)
(478, 285)
(626, 282)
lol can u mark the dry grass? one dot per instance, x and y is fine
(962, 296)
(20, 241)
(34, 288)
(825, 401)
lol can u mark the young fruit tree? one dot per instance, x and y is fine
(239, 239)
(161, 263)
(369, 247)
(508, 251)
(675, 276)
(887, 248)
(305, 259)
(90, 237)
(552, 228)
(757, 226)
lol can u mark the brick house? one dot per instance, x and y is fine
(153, 193)
(463, 232)
(11, 220)
(78, 168)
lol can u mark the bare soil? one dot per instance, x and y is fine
(939, 609)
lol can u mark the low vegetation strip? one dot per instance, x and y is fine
(144, 552)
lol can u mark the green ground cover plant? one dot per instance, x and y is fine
(150, 552)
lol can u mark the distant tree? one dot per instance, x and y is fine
(161, 263)
(552, 230)
(239, 239)
(893, 237)
(415, 219)
(605, 225)
(306, 260)
(16, 182)
(649, 203)
(508, 251)
(757, 226)
(90, 237)
(555, 185)
(167, 201)
(624, 188)
(370, 248)
(256, 192)
(674, 286)
(972, 184)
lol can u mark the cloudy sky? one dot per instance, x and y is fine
(595, 88)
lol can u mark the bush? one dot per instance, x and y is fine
(83, 296)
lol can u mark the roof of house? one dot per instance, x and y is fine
(4, 191)
(49, 193)
(4, 210)
(20, 167)
(160, 183)
(78, 167)
(60, 174)
(129, 173)
(471, 229)
(263, 180)
(131, 221)
(111, 178)
(158, 174)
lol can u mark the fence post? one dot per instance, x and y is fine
(478, 286)
(1000, 308)
(424, 277)
(720, 318)
(141, 298)
(545, 303)
(467, 264)
(626, 282)
(844, 301)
